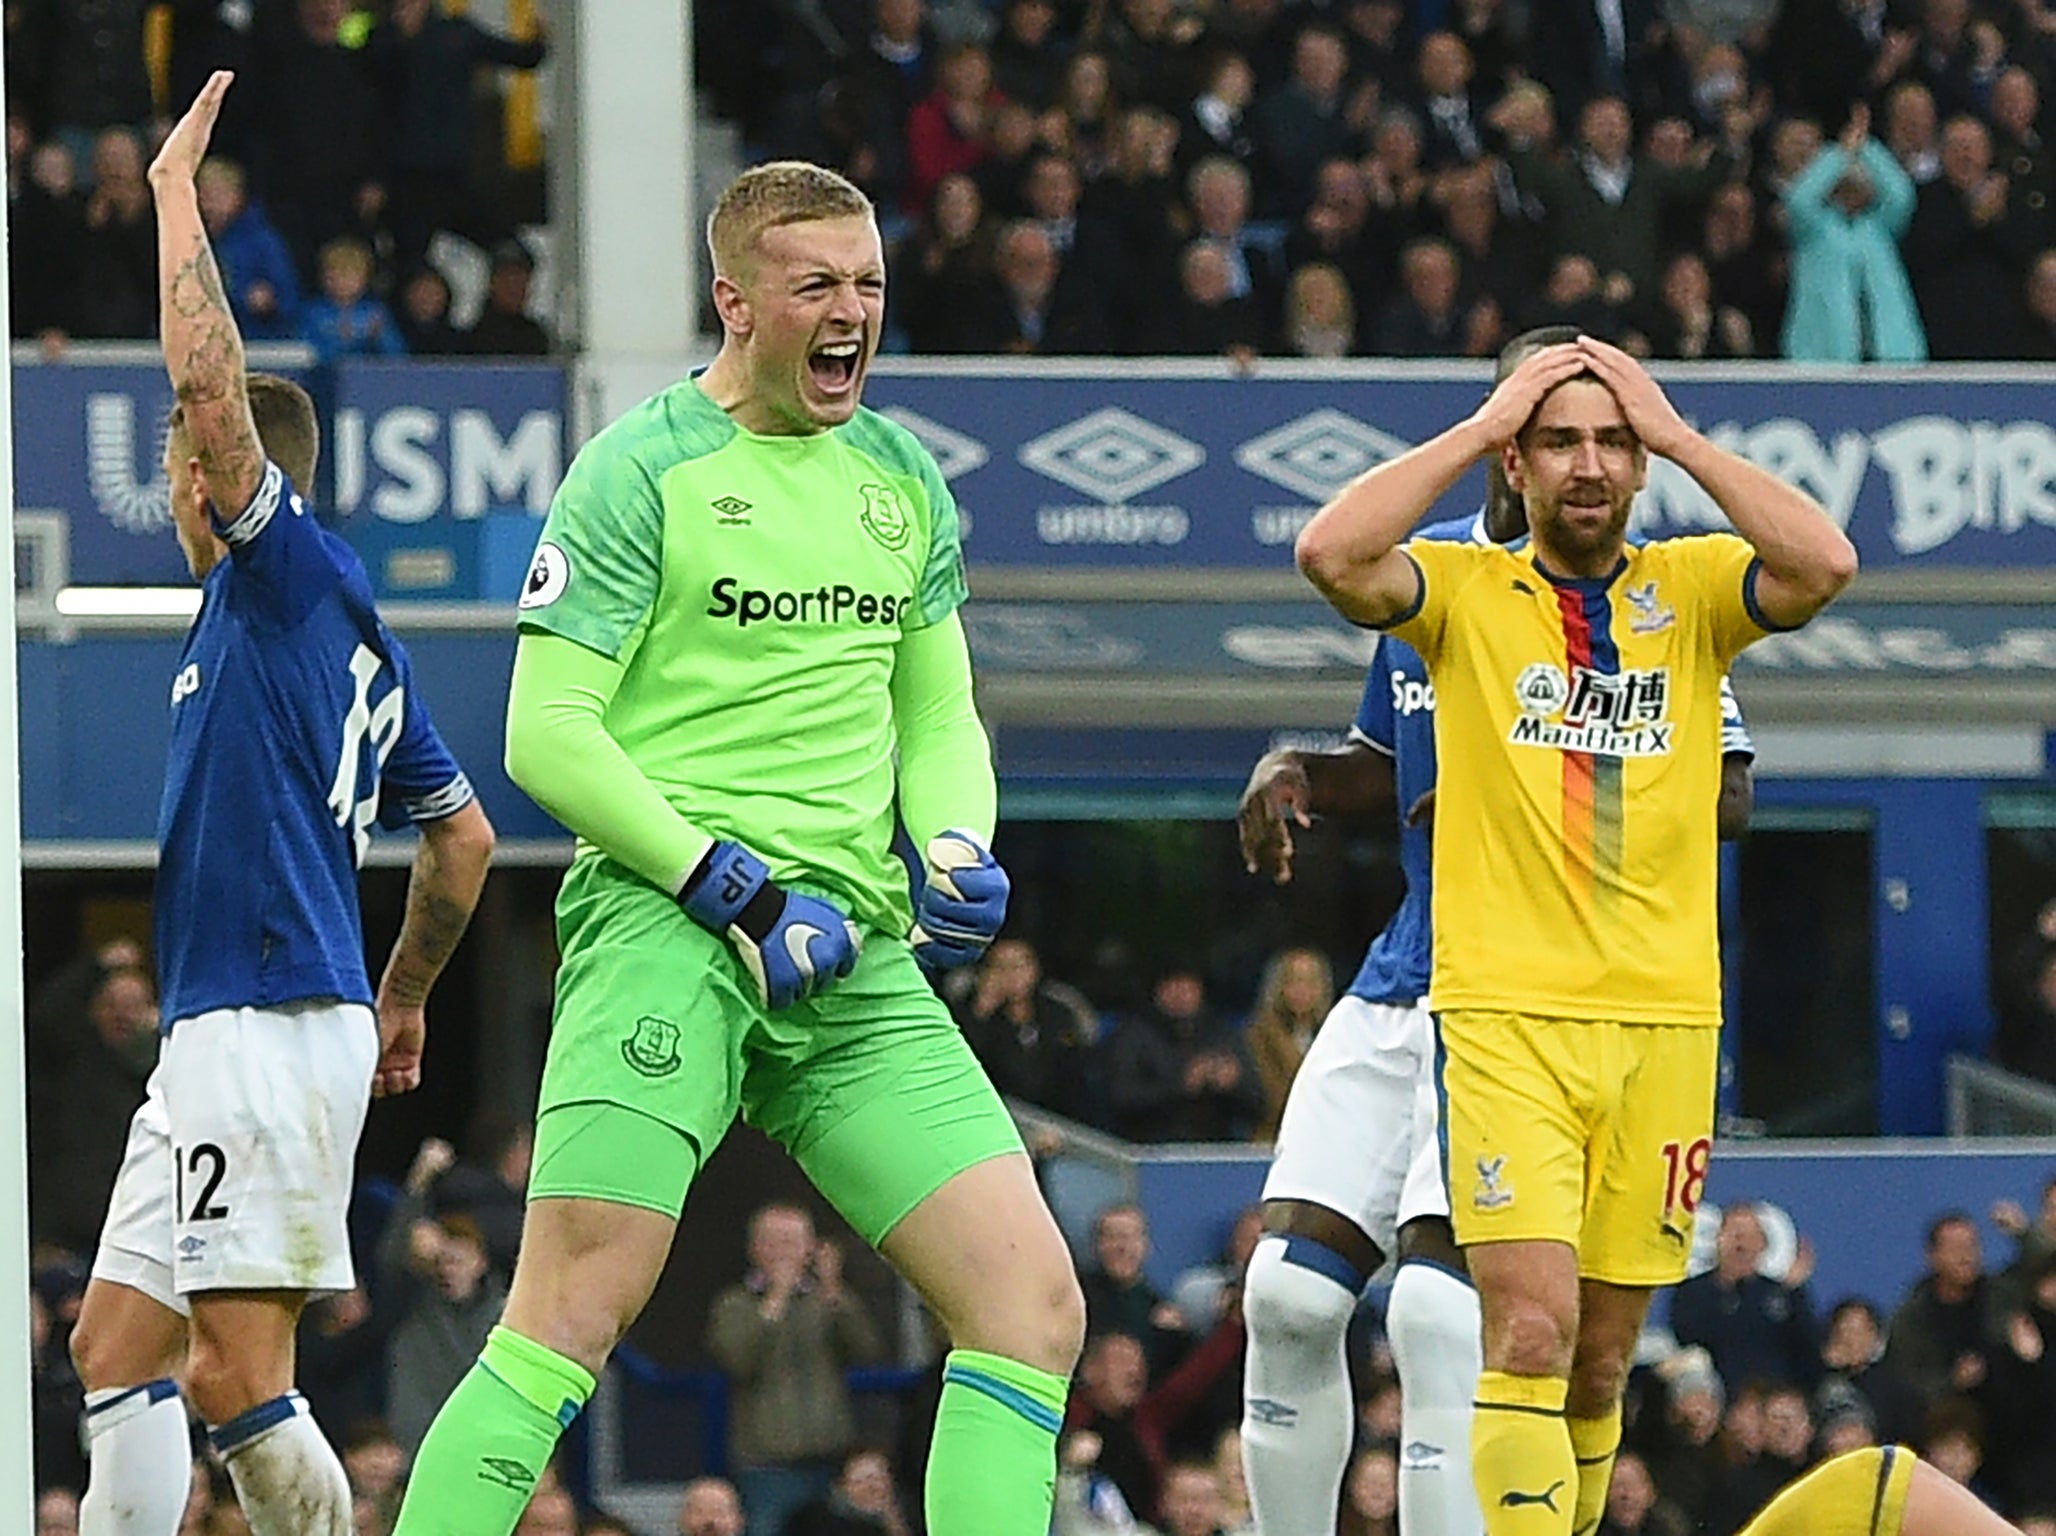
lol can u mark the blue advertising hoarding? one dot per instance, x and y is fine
(438, 472)
(1092, 467)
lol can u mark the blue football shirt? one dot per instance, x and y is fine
(294, 727)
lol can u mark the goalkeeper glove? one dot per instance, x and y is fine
(962, 905)
(793, 946)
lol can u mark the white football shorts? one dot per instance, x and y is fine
(239, 1164)
(1361, 1128)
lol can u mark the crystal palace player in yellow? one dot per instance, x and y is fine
(1576, 969)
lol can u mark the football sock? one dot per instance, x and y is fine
(1521, 1457)
(287, 1477)
(1432, 1320)
(1595, 1442)
(141, 1461)
(1298, 1418)
(478, 1463)
(992, 1463)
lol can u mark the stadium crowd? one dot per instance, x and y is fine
(356, 140)
(1752, 1379)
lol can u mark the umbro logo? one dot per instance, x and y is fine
(734, 512)
(1276, 1414)
(505, 1472)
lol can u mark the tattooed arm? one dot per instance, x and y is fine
(202, 350)
(449, 872)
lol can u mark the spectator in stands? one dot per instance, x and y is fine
(1425, 320)
(943, 290)
(375, 1463)
(1945, 59)
(1177, 1072)
(1912, 132)
(1228, 1467)
(1374, 30)
(1455, 134)
(1941, 1332)
(949, 130)
(2020, 1396)
(1371, 1488)
(1320, 321)
(424, 314)
(1496, 255)
(1745, 262)
(1088, 1501)
(1015, 142)
(257, 269)
(1633, 1505)
(1081, 124)
(317, 155)
(340, 1350)
(786, 1335)
(1954, 1443)
(1682, 1449)
(1027, 54)
(1043, 315)
(1685, 323)
(1754, 1327)
(1200, 1295)
(1150, 47)
(116, 294)
(1217, 122)
(57, 1401)
(1189, 1501)
(1137, 200)
(1219, 193)
(2034, 1240)
(92, 1041)
(1746, 1478)
(505, 328)
(1964, 251)
(2026, 1040)
(1851, 299)
(424, 62)
(1087, 249)
(1034, 1036)
(1101, 1438)
(1854, 1357)
(862, 1502)
(1397, 181)
(1212, 319)
(1294, 996)
(710, 1507)
(551, 1512)
(1118, 1295)
(1303, 123)
(2021, 154)
(1606, 202)
(57, 1512)
(1572, 296)
(46, 225)
(1599, 48)
(1337, 230)
(438, 1287)
(348, 320)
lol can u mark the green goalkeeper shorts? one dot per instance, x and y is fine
(658, 1040)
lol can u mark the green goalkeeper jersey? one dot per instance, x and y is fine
(754, 589)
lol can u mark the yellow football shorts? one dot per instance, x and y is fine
(1591, 1134)
(1862, 1493)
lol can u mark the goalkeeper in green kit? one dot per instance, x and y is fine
(740, 658)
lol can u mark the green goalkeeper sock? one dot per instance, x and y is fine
(488, 1445)
(992, 1465)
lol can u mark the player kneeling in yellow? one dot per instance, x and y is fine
(1884, 1491)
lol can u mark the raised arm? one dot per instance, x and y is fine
(1350, 551)
(1806, 559)
(203, 351)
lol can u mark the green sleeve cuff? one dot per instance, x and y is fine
(558, 750)
(945, 774)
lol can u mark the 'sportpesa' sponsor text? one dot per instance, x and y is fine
(818, 605)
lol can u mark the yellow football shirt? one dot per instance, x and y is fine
(1577, 733)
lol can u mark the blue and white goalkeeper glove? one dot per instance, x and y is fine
(793, 946)
(962, 906)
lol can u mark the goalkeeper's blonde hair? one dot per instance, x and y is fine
(766, 196)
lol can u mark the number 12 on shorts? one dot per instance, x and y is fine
(1684, 1183)
(204, 1164)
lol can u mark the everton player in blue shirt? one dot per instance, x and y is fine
(1357, 1176)
(295, 726)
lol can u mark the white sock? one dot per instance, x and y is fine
(1432, 1321)
(286, 1474)
(1298, 1419)
(141, 1458)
